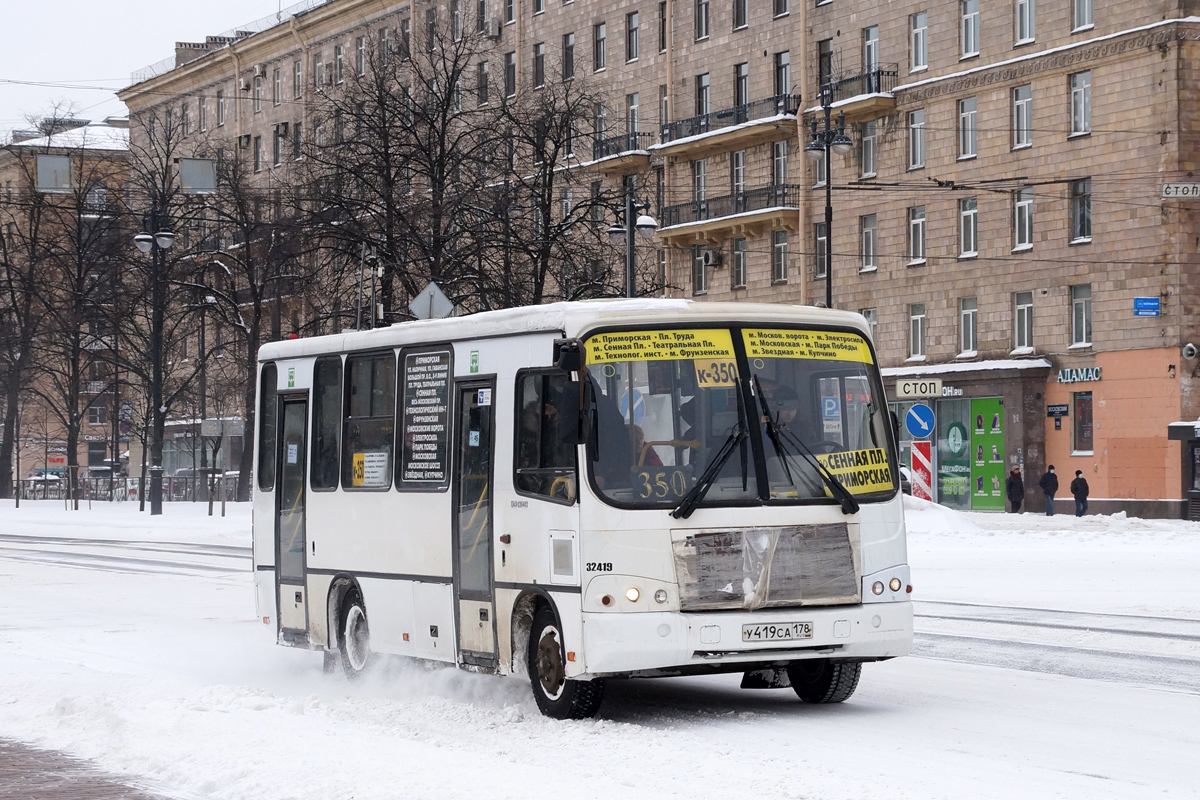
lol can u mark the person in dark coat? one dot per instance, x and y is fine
(1014, 487)
(1079, 488)
(1049, 484)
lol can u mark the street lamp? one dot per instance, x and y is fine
(623, 229)
(155, 244)
(818, 148)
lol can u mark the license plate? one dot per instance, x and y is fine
(776, 632)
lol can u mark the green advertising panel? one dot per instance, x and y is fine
(953, 453)
(986, 451)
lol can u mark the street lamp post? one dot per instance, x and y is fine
(818, 148)
(154, 244)
(645, 224)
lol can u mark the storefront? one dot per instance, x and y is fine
(1188, 435)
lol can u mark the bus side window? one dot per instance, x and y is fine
(327, 422)
(368, 436)
(267, 409)
(544, 464)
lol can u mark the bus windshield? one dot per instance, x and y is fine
(672, 405)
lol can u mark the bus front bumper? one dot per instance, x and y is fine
(682, 642)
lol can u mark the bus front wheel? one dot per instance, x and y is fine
(820, 680)
(557, 696)
(355, 639)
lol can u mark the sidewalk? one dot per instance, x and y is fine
(30, 774)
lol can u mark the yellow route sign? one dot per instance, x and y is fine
(860, 471)
(654, 345)
(792, 343)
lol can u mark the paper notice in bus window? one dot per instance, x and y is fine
(860, 471)
(370, 470)
(655, 345)
(791, 343)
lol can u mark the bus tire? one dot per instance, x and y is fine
(354, 637)
(820, 680)
(556, 696)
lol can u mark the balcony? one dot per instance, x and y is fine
(93, 341)
(626, 152)
(714, 219)
(864, 95)
(730, 128)
(97, 387)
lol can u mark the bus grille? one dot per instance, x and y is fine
(752, 568)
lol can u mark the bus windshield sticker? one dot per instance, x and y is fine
(370, 470)
(820, 345)
(426, 420)
(715, 372)
(660, 345)
(860, 471)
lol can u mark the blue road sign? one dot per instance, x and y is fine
(919, 421)
(639, 406)
(829, 408)
(1146, 306)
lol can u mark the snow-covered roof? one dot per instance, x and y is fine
(967, 366)
(94, 136)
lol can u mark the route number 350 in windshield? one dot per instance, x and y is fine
(659, 484)
(715, 372)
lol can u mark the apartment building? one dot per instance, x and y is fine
(999, 218)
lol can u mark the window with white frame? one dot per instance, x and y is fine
(258, 92)
(568, 56)
(699, 270)
(968, 227)
(737, 171)
(867, 148)
(1081, 210)
(97, 415)
(481, 83)
(202, 114)
(220, 107)
(871, 315)
(916, 330)
(277, 87)
(406, 37)
(967, 132)
(783, 73)
(1024, 32)
(779, 263)
(1023, 320)
(539, 65)
(870, 254)
(510, 11)
(599, 46)
(701, 19)
(820, 169)
(916, 139)
(782, 7)
(741, 13)
(699, 180)
(1022, 116)
(703, 94)
(567, 204)
(633, 105)
(539, 6)
(339, 63)
(1081, 314)
(738, 267)
(820, 250)
(360, 56)
(1082, 14)
(510, 74)
(919, 42)
(663, 33)
(916, 235)
(870, 51)
(631, 36)
(1022, 219)
(741, 84)
(297, 79)
(968, 326)
(970, 28)
(1081, 103)
(779, 162)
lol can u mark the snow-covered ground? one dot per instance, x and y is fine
(1055, 657)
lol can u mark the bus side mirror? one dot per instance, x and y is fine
(568, 355)
(576, 412)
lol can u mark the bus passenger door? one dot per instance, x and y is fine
(476, 613)
(290, 534)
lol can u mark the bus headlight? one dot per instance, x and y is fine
(877, 587)
(895, 584)
(632, 594)
(660, 596)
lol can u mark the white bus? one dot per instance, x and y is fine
(584, 491)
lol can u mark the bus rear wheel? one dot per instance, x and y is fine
(557, 696)
(820, 680)
(354, 642)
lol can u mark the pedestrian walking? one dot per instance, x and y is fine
(1049, 484)
(1079, 488)
(1014, 487)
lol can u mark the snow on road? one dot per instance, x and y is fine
(133, 642)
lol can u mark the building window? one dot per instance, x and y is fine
(703, 84)
(510, 74)
(824, 62)
(1081, 443)
(1024, 21)
(968, 324)
(699, 180)
(1081, 210)
(820, 165)
(820, 250)
(277, 147)
(339, 63)
(631, 36)
(779, 163)
(633, 105)
(1023, 320)
(297, 79)
(741, 14)
(741, 84)
(1083, 14)
(539, 6)
(360, 56)
(738, 268)
(431, 30)
(1081, 314)
(664, 102)
(510, 11)
(319, 70)
(916, 330)
(699, 271)
(277, 87)
(663, 33)
(737, 171)
(220, 107)
(968, 227)
(1023, 219)
(568, 56)
(701, 21)
(919, 43)
(967, 133)
(779, 264)
(202, 114)
(783, 73)
(456, 19)
(1081, 103)
(406, 38)
(1022, 116)
(481, 83)
(870, 52)
(257, 153)
(185, 118)
(868, 148)
(481, 16)
(870, 253)
(782, 7)
(539, 65)
(871, 315)
(970, 28)
(297, 140)
(599, 43)
(916, 139)
(916, 235)
(257, 93)
(97, 415)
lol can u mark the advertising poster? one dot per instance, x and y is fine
(953, 456)
(986, 451)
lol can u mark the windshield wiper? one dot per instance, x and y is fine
(776, 433)
(690, 500)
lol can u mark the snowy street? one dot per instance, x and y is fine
(1055, 657)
